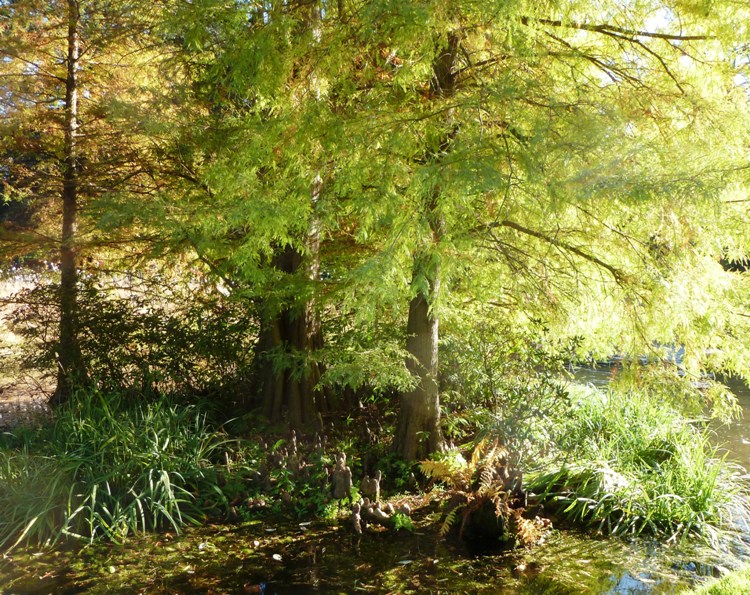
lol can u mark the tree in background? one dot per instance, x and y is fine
(65, 66)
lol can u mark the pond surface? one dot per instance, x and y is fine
(258, 557)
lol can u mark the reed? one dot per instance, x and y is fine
(630, 465)
(106, 468)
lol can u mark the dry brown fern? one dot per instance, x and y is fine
(480, 486)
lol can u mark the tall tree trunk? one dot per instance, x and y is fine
(418, 433)
(293, 335)
(70, 362)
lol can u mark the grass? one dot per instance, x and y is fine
(633, 466)
(106, 468)
(734, 583)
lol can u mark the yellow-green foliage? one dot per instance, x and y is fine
(473, 483)
(734, 583)
(455, 471)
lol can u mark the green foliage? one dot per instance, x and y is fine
(144, 334)
(559, 161)
(398, 474)
(505, 382)
(35, 498)
(667, 383)
(402, 521)
(583, 171)
(106, 469)
(736, 582)
(631, 466)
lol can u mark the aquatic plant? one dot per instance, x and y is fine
(633, 465)
(734, 583)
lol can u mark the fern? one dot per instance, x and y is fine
(476, 455)
(479, 482)
(450, 519)
(486, 477)
(439, 471)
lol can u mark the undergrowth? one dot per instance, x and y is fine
(106, 468)
(630, 465)
(109, 466)
(484, 498)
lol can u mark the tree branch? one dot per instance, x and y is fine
(613, 30)
(618, 275)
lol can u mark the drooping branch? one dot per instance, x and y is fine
(609, 69)
(620, 276)
(662, 62)
(613, 30)
(605, 68)
(36, 70)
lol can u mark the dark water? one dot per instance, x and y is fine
(331, 559)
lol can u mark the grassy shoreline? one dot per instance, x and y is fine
(736, 582)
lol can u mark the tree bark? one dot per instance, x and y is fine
(69, 359)
(418, 433)
(293, 335)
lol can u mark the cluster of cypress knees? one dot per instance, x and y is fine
(369, 508)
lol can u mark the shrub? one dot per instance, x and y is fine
(505, 383)
(145, 334)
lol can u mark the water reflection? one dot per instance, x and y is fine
(735, 436)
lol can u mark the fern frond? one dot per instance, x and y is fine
(476, 455)
(450, 518)
(501, 505)
(439, 471)
(486, 477)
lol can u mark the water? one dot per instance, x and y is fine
(735, 437)
(332, 559)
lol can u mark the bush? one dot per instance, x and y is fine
(106, 468)
(506, 383)
(632, 465)
(145, 334)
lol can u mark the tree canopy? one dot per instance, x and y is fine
(359, 171)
